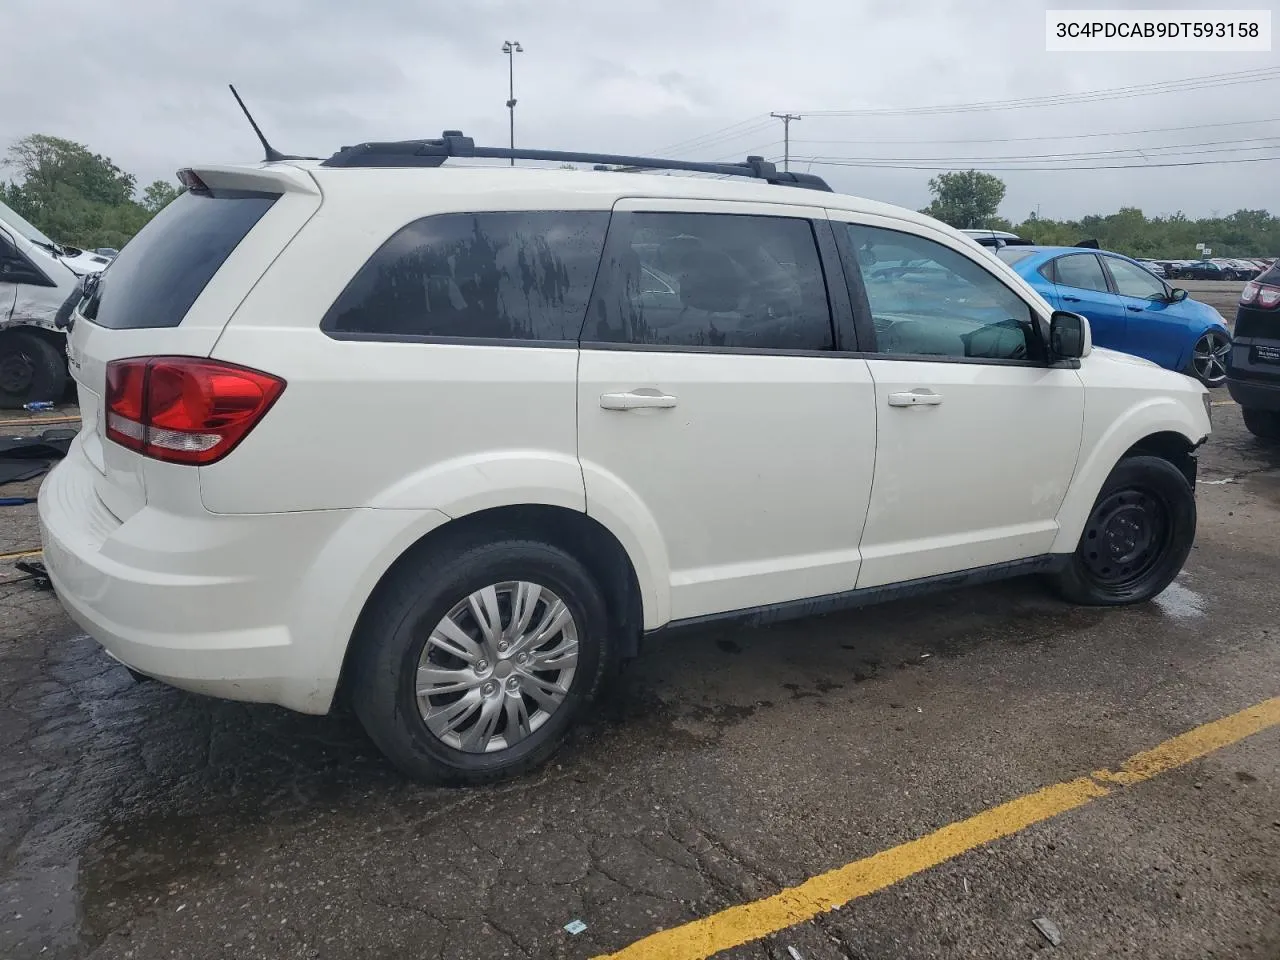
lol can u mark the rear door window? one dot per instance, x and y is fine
(1082, 271)
(709, 280)
(476, 276)
(161, 271)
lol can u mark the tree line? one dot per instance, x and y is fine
(971, 199)
(82, 198)
(77, 197)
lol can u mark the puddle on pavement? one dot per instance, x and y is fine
(1180, 603)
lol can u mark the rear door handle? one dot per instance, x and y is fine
(1135, 309)
(915, 398)
(1071, 299)
(637, 401)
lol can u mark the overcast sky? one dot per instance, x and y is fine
(144, 82)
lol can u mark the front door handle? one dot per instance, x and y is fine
(1135, 309)
(915, 398)
(637, 401)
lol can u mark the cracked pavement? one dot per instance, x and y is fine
(138, 821)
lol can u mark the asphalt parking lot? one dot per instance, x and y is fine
(141, 822)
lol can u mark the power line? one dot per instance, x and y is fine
(1054, 136)
(1258, 75)
(1087, 155)
(837, 162)
(758, 121)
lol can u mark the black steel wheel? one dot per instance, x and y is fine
(1126, 535)
(1136, 538)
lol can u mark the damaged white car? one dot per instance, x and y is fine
(37, 277)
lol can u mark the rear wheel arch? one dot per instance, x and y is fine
(581, 536)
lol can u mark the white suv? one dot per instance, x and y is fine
(454, 438)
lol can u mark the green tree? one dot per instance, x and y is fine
(44, 162)
(74, 195)
(965, 198)
(158, 195)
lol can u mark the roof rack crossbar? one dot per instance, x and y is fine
(433, 153)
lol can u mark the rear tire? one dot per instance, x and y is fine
(1136, 539)
(442, 697)
(32, 369)
(1263, 424)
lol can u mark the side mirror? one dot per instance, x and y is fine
(1177, 295)
(1069, 336)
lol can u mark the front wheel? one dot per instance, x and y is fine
(1137, 536)
(1263, 424)
(1209, 358)
(473, 661)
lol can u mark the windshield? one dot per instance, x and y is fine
(28, 230)
(1013, 254)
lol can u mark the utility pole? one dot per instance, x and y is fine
(511, 48)
(786, 119)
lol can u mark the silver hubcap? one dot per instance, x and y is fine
(1210, 357)
(497, 666)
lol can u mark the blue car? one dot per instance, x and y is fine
(1129, 308)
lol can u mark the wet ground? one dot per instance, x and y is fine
(140, 822)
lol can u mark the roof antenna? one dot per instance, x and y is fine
(273, 155)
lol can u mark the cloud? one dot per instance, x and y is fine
(144, 82)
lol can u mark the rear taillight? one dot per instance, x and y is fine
(1267, 297)
(185, 409)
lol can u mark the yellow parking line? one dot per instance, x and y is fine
(704, 938)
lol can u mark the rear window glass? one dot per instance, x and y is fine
(160, 272)
(494, 276)
(1013, 254)
(1271, 274)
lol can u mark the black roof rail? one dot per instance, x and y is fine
(433, 153)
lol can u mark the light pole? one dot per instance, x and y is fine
(511, 48)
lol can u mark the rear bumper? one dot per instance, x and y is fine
(1251, 383)
(255, 608)
(1255, 394)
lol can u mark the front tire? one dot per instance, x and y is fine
(1263, 424)
(1209, 356)
(474, 660)
(1137, 537)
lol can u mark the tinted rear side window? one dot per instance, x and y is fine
(493, 276)
(160, 272)
(1082, 271)
(712, 280)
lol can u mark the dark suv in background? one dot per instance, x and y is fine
(1253, 367)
